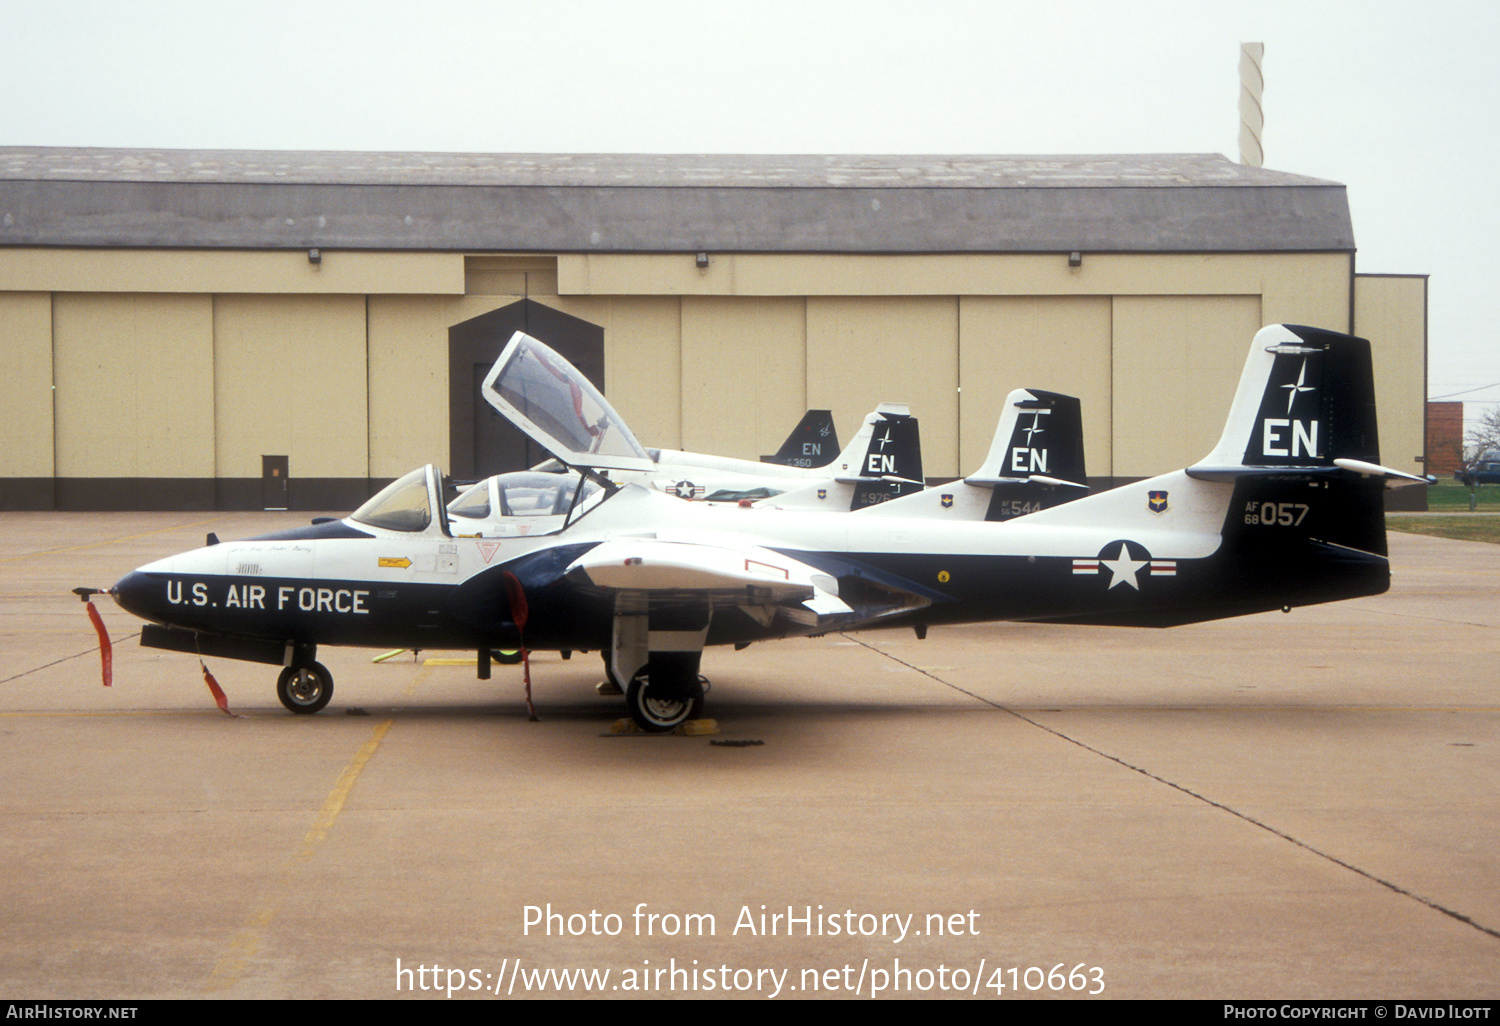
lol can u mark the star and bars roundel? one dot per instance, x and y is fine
(1125, 563)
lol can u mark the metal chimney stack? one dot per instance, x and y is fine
(1252, 118)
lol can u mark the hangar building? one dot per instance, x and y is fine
(233, 330)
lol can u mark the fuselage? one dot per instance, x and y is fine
(1106, 559)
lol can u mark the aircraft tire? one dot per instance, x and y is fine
(657, 714)
(305, 694)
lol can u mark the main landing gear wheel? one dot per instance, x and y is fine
(305, 689)
(666, 692)
(656, 712)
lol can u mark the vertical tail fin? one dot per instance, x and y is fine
(813, 442)
(884, 460)
(1301, 446)
(1036, 458)
(1286, 511)
(1306, 398)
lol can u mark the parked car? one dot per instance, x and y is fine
(1485, 470)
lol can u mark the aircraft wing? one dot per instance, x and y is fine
(748, 577)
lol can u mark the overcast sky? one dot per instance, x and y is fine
(1398, 100)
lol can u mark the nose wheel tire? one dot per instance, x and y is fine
(305, 689)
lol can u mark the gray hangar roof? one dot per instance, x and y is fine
(652, 203)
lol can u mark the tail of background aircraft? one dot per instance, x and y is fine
(1036, 458)
(884, 460)
(1035, 462)
(813, 442)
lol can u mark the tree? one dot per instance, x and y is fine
(1481, 447)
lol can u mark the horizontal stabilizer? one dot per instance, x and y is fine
(1056, 482)
(1393, 478)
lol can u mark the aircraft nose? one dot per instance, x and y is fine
(137, 593)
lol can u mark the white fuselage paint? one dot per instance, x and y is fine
(1189, 529)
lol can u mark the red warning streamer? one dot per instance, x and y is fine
(518, 612)
(216, 691)
(106, 651)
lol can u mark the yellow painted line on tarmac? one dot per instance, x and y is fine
(334, 803)
(471, 661)
(249, 939)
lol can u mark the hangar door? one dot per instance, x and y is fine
(481, 442)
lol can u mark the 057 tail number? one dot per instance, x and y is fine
(1275, 514)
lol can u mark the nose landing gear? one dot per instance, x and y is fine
(305, 689)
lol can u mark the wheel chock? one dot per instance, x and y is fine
(691, 728)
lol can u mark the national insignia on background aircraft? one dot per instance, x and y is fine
(1285, 511)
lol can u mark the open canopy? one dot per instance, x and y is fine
(545, 396)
